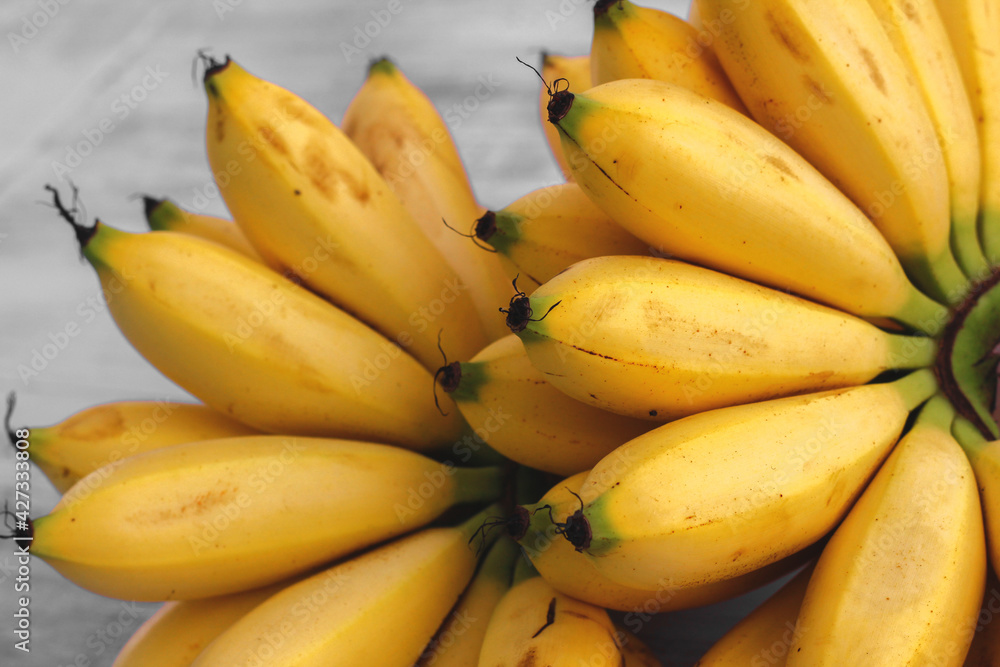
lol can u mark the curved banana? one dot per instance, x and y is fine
(180, 630)
(634, 42)
(551, 228)
(314, 206)
(920, 38)
(259, 348)
(163, 215)
(220, 516)
(528, 420)
(534, 624)
(729, 491)
(635, 652)
(394, 123)
(571, 572)
(902, 578)
(460, 638)
(985, 459)
(379, 608)
(972, 26)
(106, 434)
(695, 179)
(575, 70)
(827, 81)
(658, 339)
(765, 635)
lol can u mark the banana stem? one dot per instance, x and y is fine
(917, 387)
(937, 412)
(968, 436)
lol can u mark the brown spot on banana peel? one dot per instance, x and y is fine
(786, 40)
(528, 659)
(550, 618)
(874, 73)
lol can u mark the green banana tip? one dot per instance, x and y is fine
(150, 204)
(381, 65)
(519, 312)
(211, 64)
(73, 214)
(560, 99)
(601, 7)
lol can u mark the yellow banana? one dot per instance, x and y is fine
(379, 608)
(570, 572)
(658, 339)
(528, 420)
(695, 179)
(534, 624)
(219, 516)
(180, 630)
(826, 80)
(985, 459)
(551, 228)
(985, 648)
(920, 38)
(314, 206)
(634, 42)
(973, 26)
(902, 578)
(164, 215)
(764, 636)
(460, 638)
(259, 348)
(729, 491)
(106, 434)
(635, 652)
(575, 70)
(394, 123)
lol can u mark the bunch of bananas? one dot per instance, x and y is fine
(751, 334)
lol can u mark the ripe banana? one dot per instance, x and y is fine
(576, 71)
(826, 80)
(902, 578)
(313, 205)
(572, 573)
(534, 624)
(381, 607)
(985, 459)
(528, 420)
(633, 42)
(397, 127)
(658, 339)
(764, 636)
(551, 228)
(460, 638)
(180, 630)
(259, 348)
(921, 40)
(691, 177)
(729, 491)
(165, 216)
(972, 26)
(220, 516)
(635, 652)
(105, 434)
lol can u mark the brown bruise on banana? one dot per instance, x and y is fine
(874, 73)
(196, 506)
(778, 31)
